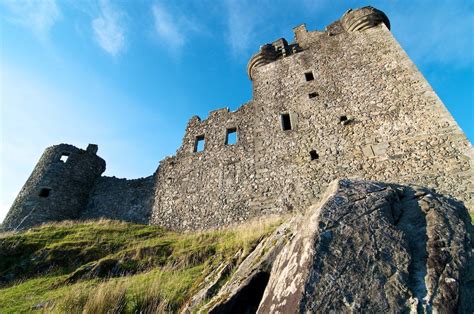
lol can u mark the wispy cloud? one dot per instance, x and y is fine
(39, 16)
(166, 27)
(109, 29)
(174, 27)
(241, 25)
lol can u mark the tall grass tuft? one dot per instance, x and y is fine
(108, 297)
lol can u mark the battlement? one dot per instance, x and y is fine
(271, 52)
(352, 21)
(344, 102)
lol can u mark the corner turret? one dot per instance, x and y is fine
(363, 18)
(269, 53)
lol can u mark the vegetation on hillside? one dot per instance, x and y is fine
(115, 267)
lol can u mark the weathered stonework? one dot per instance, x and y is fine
(358, 107)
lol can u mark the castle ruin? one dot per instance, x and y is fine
(346, 102)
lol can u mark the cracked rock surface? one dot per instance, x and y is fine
(375, 247)
(366, 247)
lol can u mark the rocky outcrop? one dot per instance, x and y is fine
(366, 247)
(246, 285)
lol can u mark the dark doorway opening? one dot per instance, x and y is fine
(248, 299)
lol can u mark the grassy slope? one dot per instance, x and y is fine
(103, 265)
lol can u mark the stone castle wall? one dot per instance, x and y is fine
(368, 113)
(121, 199)
(358, 107)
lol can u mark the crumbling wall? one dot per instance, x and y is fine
(357, 106)
(212, 187)
(121, 199)
(344, 102)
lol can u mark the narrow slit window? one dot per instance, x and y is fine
(64, 157)
(309, 76)
(313, 95)
(314, 155)
(231, 136)
(285, 122)
(199, 143)
(44, 192)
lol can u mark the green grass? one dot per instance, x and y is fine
(108, 266)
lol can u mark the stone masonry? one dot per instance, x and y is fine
(344, 102)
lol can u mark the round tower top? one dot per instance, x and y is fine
(363, 18)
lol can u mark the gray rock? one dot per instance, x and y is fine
(239, 295)
(366, 247)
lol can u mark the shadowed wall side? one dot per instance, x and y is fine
(121, 199)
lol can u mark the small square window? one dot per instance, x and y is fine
(313, 95)
(314, 155)
(199, 143)
(231, 136)
(345, 120)
(64, 157)
(309, 76)
(44, 192)
(285, 121)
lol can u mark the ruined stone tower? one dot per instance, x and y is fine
(344, 102)
(58, 188)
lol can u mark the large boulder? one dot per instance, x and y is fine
(366, 247)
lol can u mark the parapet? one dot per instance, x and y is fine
(352, 21)
(363, 18)
(271, 52)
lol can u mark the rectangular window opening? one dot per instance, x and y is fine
(313, 95)
(44, 192)
(285, 121)
(309, 76)
(64, 157)
(231, 136)
(199, 143)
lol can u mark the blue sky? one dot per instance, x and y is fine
(127, 75)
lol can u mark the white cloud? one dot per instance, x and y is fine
(39, 16)
(109, 31)
(241, 25)
(166, 27)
